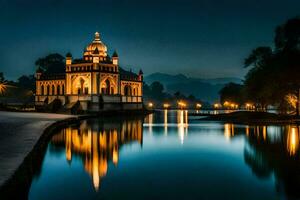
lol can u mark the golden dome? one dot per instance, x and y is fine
(96, 47)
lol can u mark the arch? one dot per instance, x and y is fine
(127, 90)
(80, 85)
(105, 89)
(48, 90)
(58, 90)
(108, 86)
(42, 90)
(53, 90)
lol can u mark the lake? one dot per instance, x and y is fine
(169, 155)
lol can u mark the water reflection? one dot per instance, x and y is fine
(272, 151)
(222, 160)
(97, 144)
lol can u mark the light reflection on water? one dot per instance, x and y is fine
(168, 155)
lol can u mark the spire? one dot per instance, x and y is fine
(115, 54)
(141, 72)
(97, 36)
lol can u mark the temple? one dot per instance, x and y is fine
(96, 82)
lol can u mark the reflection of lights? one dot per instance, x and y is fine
(115, 157)
(97, 148)
(228, 130)
(247, 131)
(293, 140)
(264, 133)
(182, 123)
(150, 122)
(166, 121)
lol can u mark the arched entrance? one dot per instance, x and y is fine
(127, 90)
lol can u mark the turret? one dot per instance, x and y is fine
(38, 73)
(69, 59)
(140, 75)
(115, 58)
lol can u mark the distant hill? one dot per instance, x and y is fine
(204, 89)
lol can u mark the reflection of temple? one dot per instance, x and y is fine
(272, 151)
(96, 81)
(97, 145)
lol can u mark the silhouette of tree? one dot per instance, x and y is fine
(52, 63)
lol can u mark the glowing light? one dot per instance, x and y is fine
(216, 105)
(226, 104)
(249, 106)
(228, 131)
(198, 105)
(293, 141)
(292, 100)
(150, 105)
(3, 87)
(182, 123)
(181, 104)
(166, 105)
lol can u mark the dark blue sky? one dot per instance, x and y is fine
(204, 38)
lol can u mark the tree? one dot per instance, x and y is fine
(52, 63)
(287, 36)
(27, 82)
(157, 89)
(232, 92)
(259, 57)
(2, 79)
(275, 74)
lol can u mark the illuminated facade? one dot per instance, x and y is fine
(96, 81)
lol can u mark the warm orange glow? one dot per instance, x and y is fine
(3, 88)
(166, 105)
(182, 123)
(181, 104)
(292, 100)
(216, 105)
(226, 104)
(150, 105)
(97, 148)
(228, 131)
(198, 105)
(293, 141)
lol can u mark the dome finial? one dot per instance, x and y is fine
(97, 36)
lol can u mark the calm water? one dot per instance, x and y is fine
(168, 156)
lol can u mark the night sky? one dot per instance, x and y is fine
(204, 38)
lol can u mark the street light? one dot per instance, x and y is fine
(166, 105)
(198, 105)
(150, 105)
